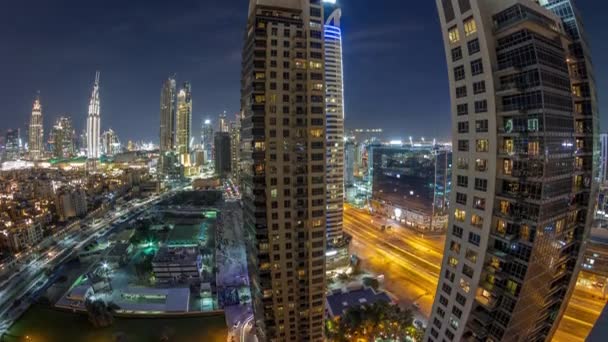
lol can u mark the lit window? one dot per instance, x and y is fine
(504, 207)
(470, 27)
(260, 76)
(533, 125)
(533, 148)
(501, 227)
(274, 193)
(316, 65)
(483, 145)
(465, 286)
(453, 35)
(455, 247)
(316, 133)
(507, 166)
(508, 146)
(460, 215)
(476, 221)
(471, 255)
(260, 99)
(453, 261)
(524, 232)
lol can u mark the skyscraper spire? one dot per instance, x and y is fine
(36, 134)
(93, 122)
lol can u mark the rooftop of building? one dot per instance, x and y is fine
(177, 255)
(340, 301)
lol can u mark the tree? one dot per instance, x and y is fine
(100, 314)
(378, 320)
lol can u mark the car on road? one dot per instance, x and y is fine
(418, 324)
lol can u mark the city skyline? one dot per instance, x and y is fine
(64, 84)
(313, 170)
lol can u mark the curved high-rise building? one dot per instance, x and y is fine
(523, 112)
(334, 112)
(36, 132)
(93, 122)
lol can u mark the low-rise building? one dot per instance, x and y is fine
(181, 264)
(18, 237)
(339, 301)
(71, 202)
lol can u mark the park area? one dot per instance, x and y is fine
(43, 324)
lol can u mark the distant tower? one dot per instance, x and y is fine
(168, 98)
(224, 128)
(36, 138)
(93, 122)
(184, 122)
(207, 139)
(62, 138)
(110, 144)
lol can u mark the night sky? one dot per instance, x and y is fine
(395, 73)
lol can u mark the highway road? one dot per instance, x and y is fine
(411, 264)
(14, 294)
(584, 308)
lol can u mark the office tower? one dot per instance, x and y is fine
(184, 123)
(235, 147)
(334, 134)
(93, 122)
(62, 138)
(283, 167)
(223, 157)
(207, 139)
(110, 144)
(12, 145)
(224, 125)
(36, 133)
(168, 98)
(410, 184)
(518, 215)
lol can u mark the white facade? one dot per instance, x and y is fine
(334, 134)
(93, 123)
(36, 134)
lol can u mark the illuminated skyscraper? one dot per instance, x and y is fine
(523, 111)
(12, 145)
(36, 133)
(168, 98)
(93, 122)
(284, 167)
(184, 123)
(334, 134)
(110, 144)
(235, 147)
(207, 140)
(224, 126)
(63, 138)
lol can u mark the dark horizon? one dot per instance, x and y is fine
(395, 74)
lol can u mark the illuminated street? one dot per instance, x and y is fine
(411, 265)
(409, 262)
(583, 310)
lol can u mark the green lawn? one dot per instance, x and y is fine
(43, 324)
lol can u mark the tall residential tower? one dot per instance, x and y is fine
(168, 99)
(93, 123)
(184, 123)
(523, 136)
(284, 167)
(334, 133)
(36, 133)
